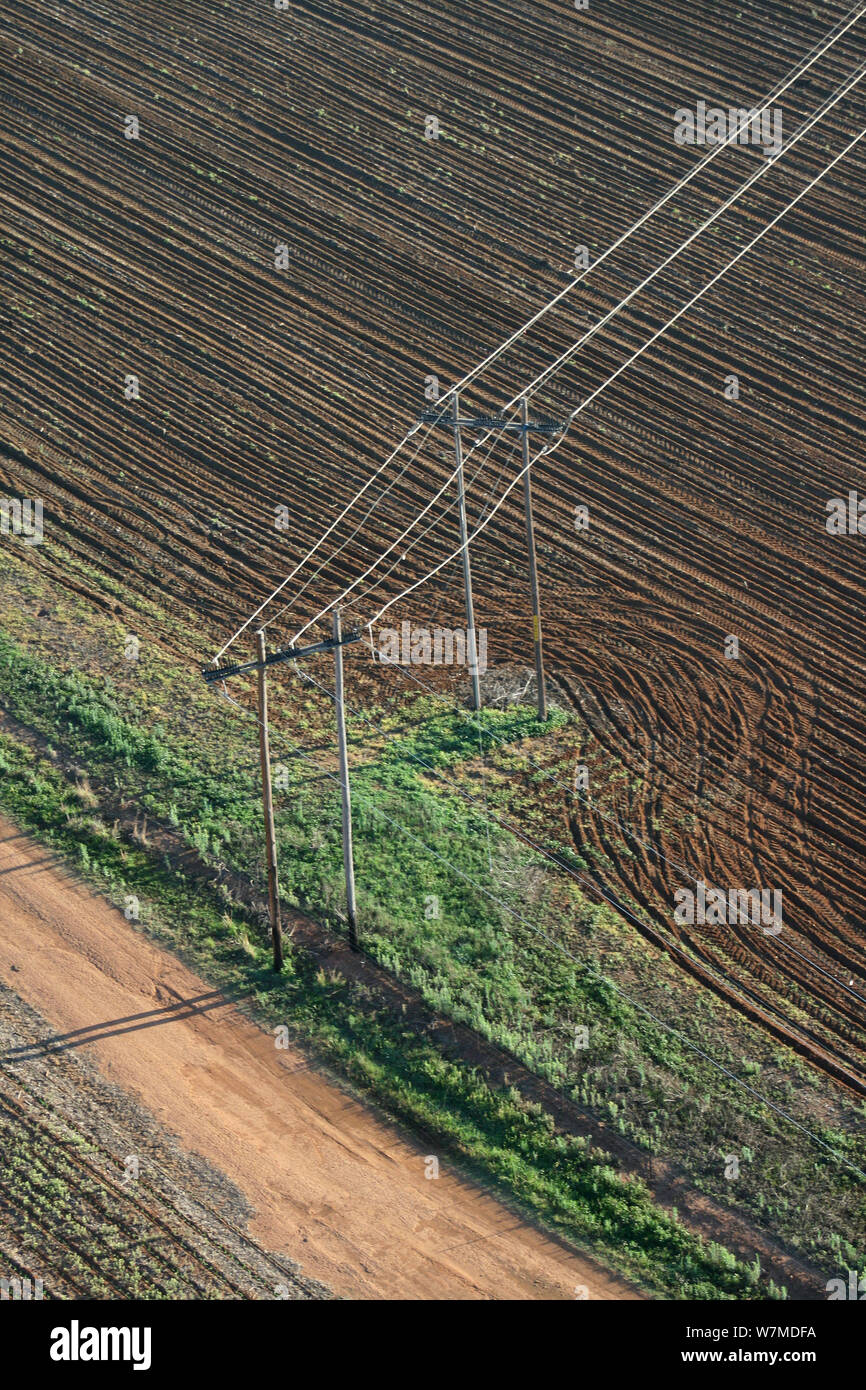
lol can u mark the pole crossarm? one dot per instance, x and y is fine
(492, 422)
(212, 674)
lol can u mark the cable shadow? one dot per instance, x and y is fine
(34, 864)
(132, 1023)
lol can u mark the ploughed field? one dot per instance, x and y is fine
(407, 257)
(102, 1228)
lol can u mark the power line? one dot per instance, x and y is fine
(479, 470)
(551, 448)
(759, 173)
(800, 69)
(359, 598)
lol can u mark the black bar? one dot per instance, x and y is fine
(195, 1340)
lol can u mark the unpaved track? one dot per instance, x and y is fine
(333, 1187)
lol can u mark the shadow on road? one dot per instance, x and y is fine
(133, 1023)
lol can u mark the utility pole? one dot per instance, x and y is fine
(218, 675)
(471, 647)
(345, 791)
(533, 568)
(268, 798)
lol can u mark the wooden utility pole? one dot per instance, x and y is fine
(533, 568)
(268, 798)
(218, 675)
(345, 792)
(471, 647)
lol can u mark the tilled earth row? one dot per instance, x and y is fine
(144, 1220)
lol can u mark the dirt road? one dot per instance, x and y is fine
(332, 1186)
